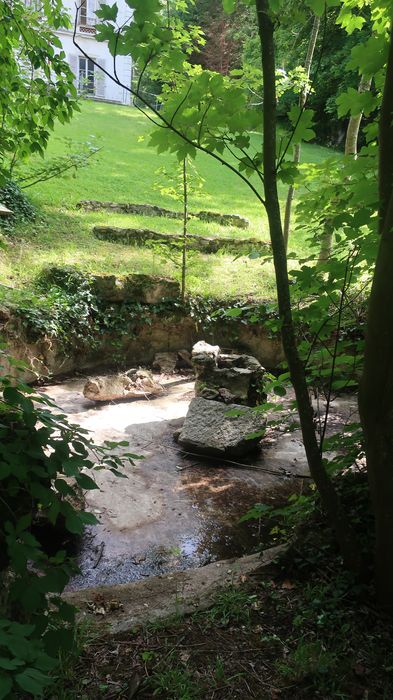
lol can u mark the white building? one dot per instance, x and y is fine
(89, 80)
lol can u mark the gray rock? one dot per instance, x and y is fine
(136, 383)
(204, 356)
(184, 359)
(165, 362)
(229, 378)
(208, 429)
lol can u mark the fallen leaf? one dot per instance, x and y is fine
(288, 585)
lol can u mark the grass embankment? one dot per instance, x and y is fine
(125, 171)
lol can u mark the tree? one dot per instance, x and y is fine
(223, 35)
(376, 388)
(302, 102)
(184, 181)
(351, 149)
(36, 82)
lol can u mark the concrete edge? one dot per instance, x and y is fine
(123, 607)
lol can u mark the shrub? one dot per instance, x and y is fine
(14, 198)
(43, 461)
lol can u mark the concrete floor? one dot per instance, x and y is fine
(174, 511)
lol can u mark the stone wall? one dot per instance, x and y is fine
(45, 357)
(203, 244)
(161, 324)
(152, 210)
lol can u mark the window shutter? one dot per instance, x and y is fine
(92, 6)
(100, 80)
(73, 63)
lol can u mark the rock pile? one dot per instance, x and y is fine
(221, 419)
(230, 378)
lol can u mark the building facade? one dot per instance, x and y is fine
(90, 80)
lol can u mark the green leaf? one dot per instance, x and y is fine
(10, 664)
(33, 681)
(233, 313)
(88, 518)
(317, 6)
(229, 6)
(5, 685)
(301, 120)
(107, 12)
(86, 482)
(256, 512)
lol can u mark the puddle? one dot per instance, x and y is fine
(173, 511)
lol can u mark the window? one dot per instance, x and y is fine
(86, 77)
(87, 17)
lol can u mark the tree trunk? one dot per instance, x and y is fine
(185, 223)
(351, 140)
(351, 149)
(302, 101)
(376, 387)
(325, 250)
(337, 518)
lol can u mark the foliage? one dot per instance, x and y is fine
(77, 155)
(36, 82)
(223, 35)
(12, 197)
(63, 308)
(43, 464)
(62, 233)
(175, 683)
(180, 185)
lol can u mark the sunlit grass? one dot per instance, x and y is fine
(125, 171)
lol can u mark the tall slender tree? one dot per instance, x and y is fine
(302, 102)
(376, 388)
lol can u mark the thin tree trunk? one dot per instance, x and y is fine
(351, 140)
(329, 497)
(376, 387)
(351, 149)
(185, 223)
(302, 101)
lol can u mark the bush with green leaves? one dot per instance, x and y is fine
(11, 196)
(44, 463)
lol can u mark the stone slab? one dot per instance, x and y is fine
(208, 429)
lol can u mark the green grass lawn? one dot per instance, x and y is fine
(125, 171)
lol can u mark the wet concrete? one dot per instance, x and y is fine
(174, 511)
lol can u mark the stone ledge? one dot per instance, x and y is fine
(203, 244)
(152, 210)
(145, 289)
(183, 592)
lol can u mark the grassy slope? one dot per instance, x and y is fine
(125, 171)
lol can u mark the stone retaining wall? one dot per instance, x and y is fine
(147, 238)
(152, 210)
(46, 357)
(159, 324)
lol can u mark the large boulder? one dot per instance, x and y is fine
(231, 378)
(136, 383)
(208, 429)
